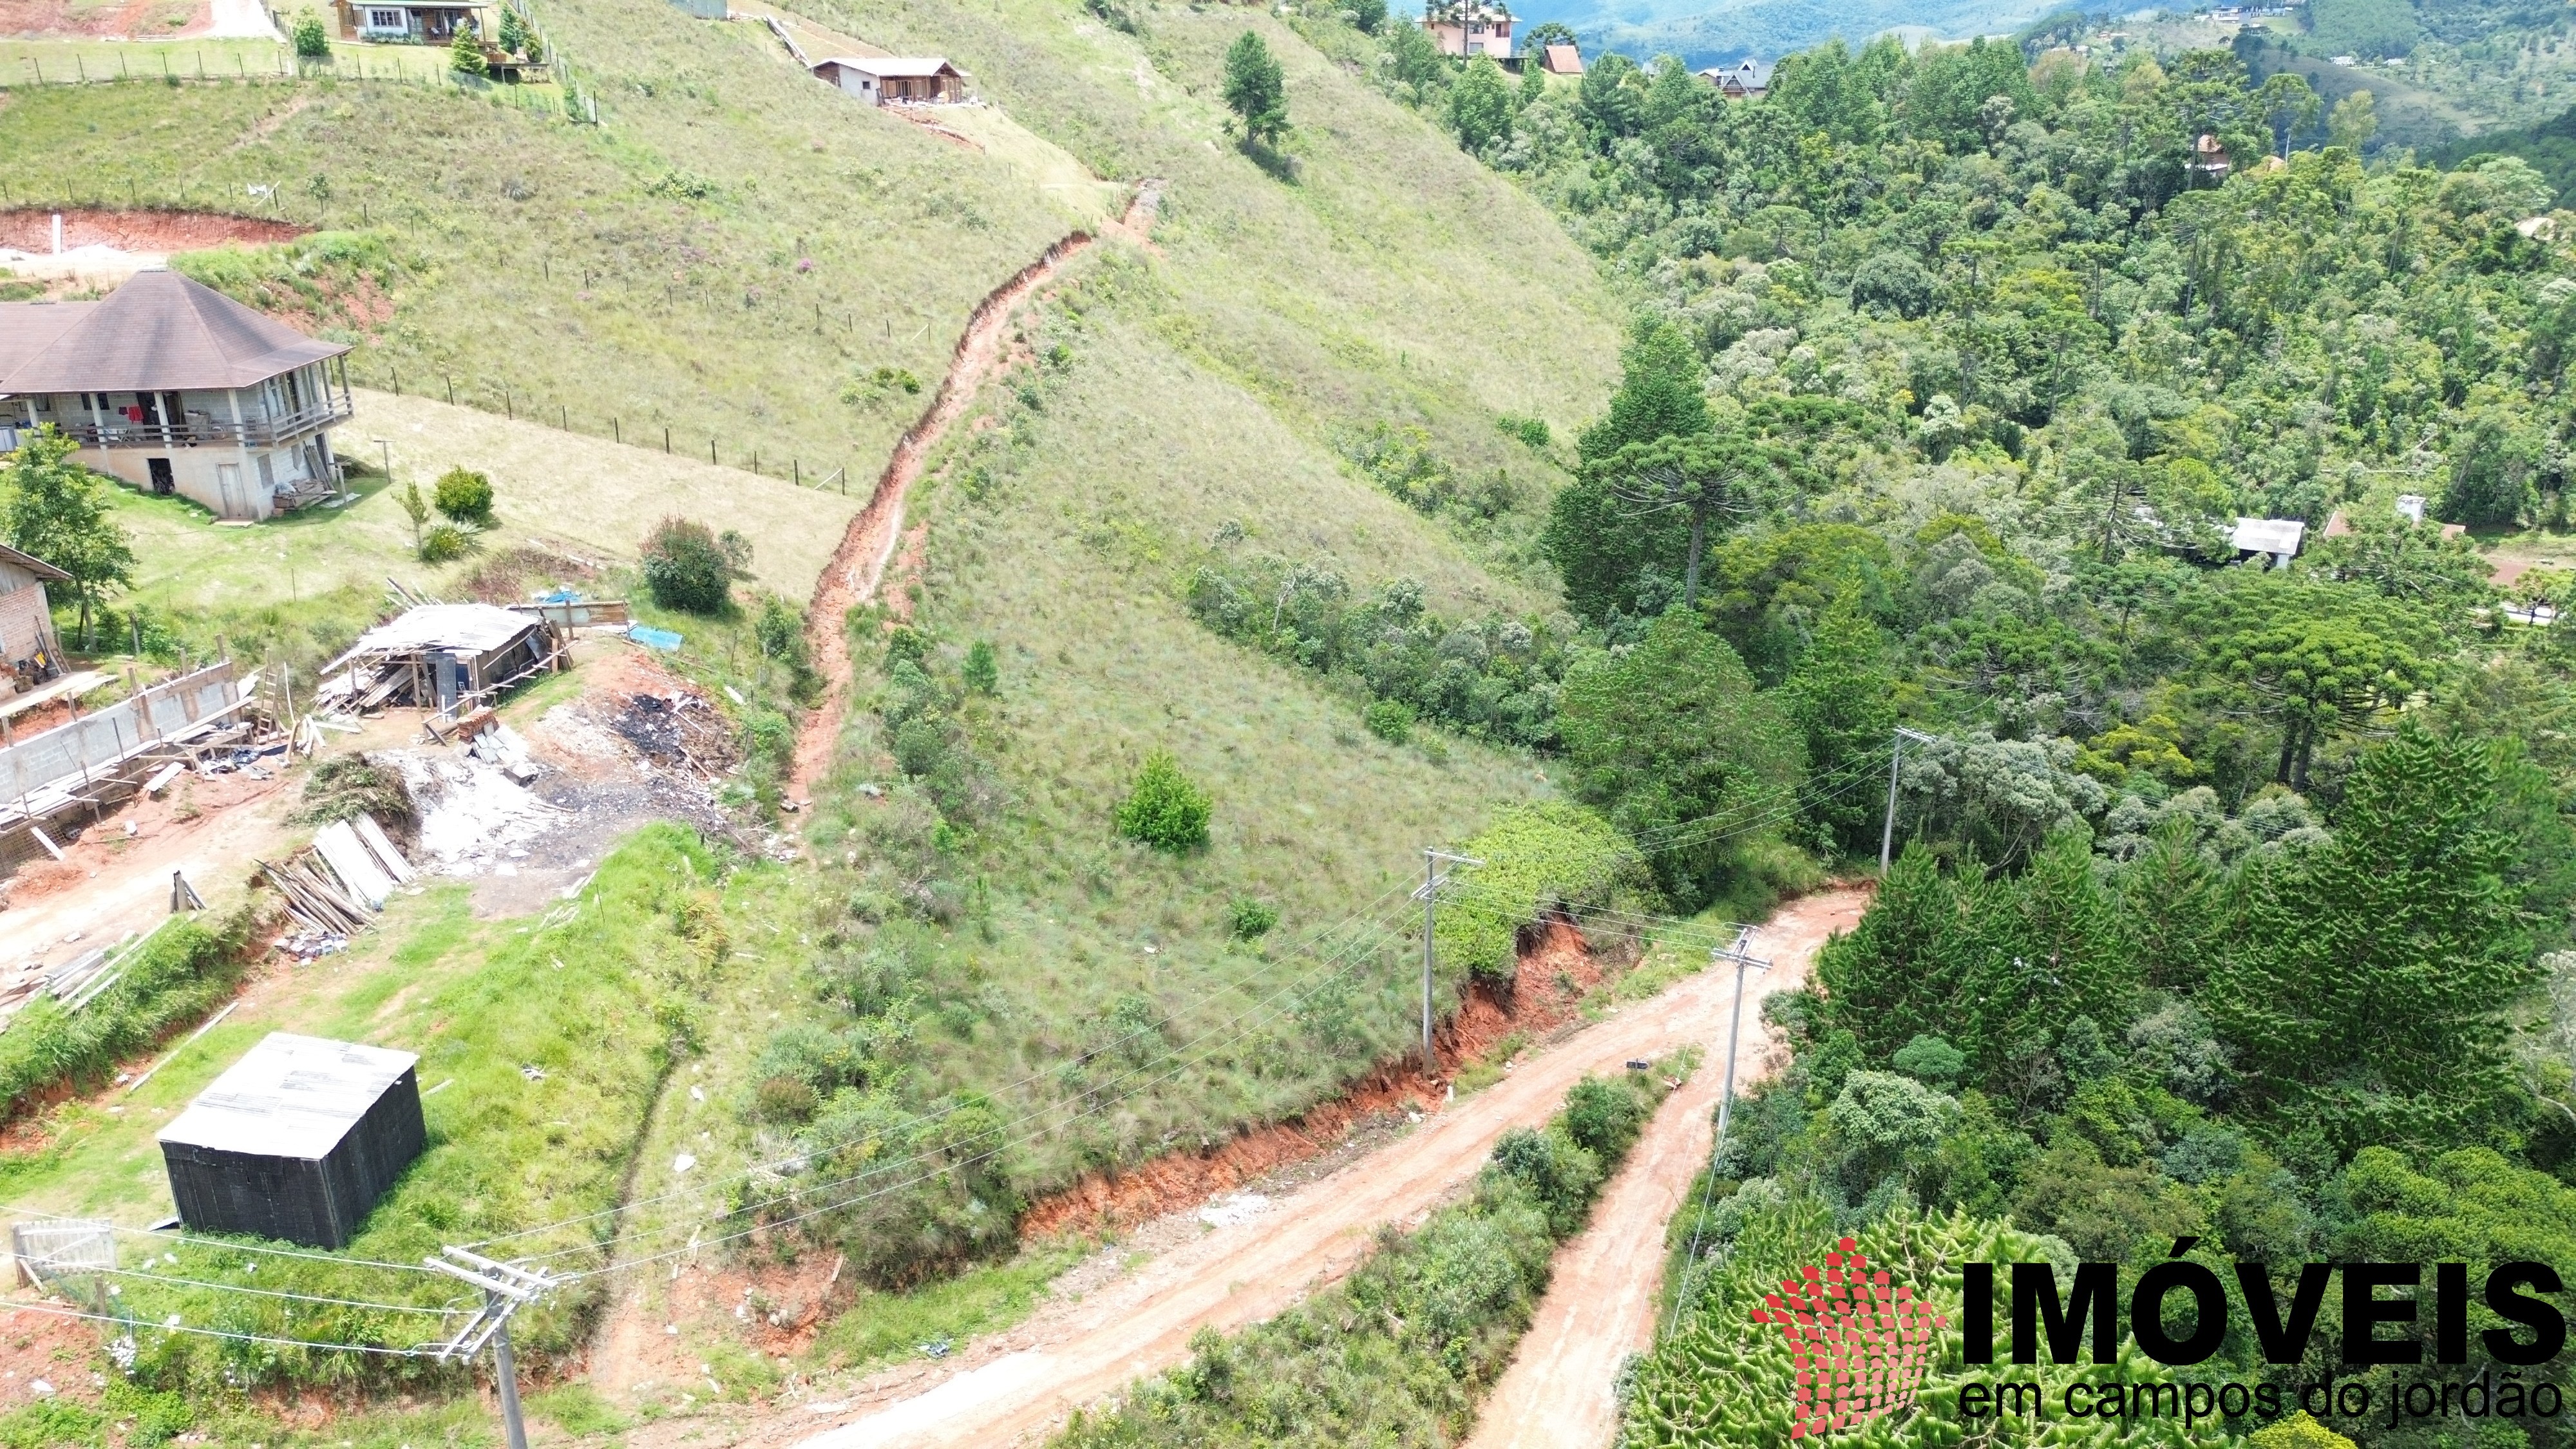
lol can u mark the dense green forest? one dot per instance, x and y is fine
(2233, 893)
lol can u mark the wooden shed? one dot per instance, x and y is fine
(894, 79)
(296, 1140)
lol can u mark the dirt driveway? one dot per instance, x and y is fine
(1600, 1305)
(1251, 1269)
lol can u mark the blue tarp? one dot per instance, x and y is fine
(652, 638)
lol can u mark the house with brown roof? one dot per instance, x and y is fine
(176, 388)
(1560, 59)
(894, 79)
(29, 654)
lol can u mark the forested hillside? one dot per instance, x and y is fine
(2231, 891)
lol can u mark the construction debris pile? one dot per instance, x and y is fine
(335, 888)
(446, 657)
(76, 982)
(475, 814)
(53, 782)
(677, 730)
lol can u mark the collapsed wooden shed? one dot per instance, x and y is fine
(296, 1140)
(440, 656)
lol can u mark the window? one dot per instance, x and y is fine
(388, 20)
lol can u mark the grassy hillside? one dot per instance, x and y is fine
(982, 945)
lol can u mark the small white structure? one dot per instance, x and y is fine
(894, 79)
(2278, 537)
(2412, 506)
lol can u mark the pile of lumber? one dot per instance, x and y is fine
(338, 884)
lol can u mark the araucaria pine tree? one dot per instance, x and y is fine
(1255, 90)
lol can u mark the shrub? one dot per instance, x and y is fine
(1559, 1175)
(1390, 720)
(464, 496)
(465, 56)
(447, 542)
(312, 41)
(1250, 919)
(1533, 432)
(345, 787)
(1165, 809)
(784, 1099)
(982, 670)
(685, 569)
(1604, 1117)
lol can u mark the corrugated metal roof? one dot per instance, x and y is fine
(160, 332)
(289, 1096)
(892, 67)
(2268, 535)
(33, 565)
(460, 628)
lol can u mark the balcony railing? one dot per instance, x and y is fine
(198, 432)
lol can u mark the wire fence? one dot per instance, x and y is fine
(520, 405)
(422, 67)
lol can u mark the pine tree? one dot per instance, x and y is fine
(1255, 90)
(1895, 976)
(465, 53)
(1843, 699)
(2366, 991)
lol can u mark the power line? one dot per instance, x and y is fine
(137, 1325)
(1310, 946)
(274, 1293)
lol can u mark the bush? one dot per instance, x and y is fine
(447, 542)
(1604, 1117)
(982, 670)
(345, 787)
(1533, 432)
(685, 568)
(464, 496)
(1165, 809)
(784, 1099)
(312, 40)
(1390, 720)
(1249, 919)
(465, 56)
(175, 978)
(1559, 1175)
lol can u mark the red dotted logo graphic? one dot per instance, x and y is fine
(1861, 1345)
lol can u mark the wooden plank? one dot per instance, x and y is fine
(386, 855)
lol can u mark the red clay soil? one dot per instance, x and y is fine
(136, 231)
(869, 546)
(1538, 1003)
(40, 19)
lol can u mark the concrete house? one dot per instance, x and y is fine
(1468, 28)
(896, 79)
(29, 654)
(176, 388)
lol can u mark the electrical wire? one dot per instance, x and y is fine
(1310, 946)
(1106, 1097)
(138, 1326)
(282, 1293)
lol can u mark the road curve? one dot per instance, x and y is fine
(1600, 1303)
(1251, 1270)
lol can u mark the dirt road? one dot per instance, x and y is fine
(1251, 1269)
(851, 579)
(1600, 1305)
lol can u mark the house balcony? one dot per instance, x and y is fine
(197, 432)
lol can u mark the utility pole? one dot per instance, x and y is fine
(1741, 954)
(1887, 832)
(507, 1288)
(1429, 895)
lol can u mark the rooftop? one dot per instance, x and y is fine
(895, 66)
(464, 628)
(289, 1096)
(160, 332)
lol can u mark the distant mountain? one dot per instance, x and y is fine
(1706, 34)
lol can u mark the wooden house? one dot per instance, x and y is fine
(176, 388)
(894, 79)
(29, 653)
(1561, 60)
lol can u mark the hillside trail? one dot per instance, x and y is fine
(1265, 1257)
(858, 567)
(1602, 1296)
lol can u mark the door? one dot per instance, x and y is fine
(228, 487)
(159, 470)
